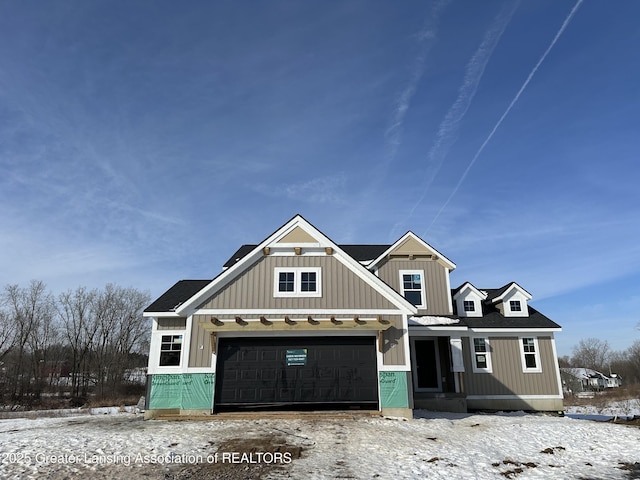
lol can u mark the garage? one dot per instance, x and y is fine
(296, 373)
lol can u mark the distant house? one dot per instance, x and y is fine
(614, 381)
(576, 380)
(300, 322)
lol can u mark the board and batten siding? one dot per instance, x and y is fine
(435, 278)
(393, 351)
(165, 323)
(200, 345)
(341, 288)
(507, 377)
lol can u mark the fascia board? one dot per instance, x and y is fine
(469, 286)
(515, 330)
(447, 263)
(161, 314)
(438, 328)
(512, 286)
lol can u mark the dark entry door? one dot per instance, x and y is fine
(314, 372)
(427, 365)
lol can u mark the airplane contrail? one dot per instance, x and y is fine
(449, 126)
(506, 112)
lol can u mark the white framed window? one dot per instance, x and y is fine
(170, 350)
(469, 306)
(297, 282)
(515, 306)
(412, 287)
(530, 354)
(481, 361)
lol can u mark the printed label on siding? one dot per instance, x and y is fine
(393, 390)
(187, 391)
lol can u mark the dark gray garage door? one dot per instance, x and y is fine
(300, 372)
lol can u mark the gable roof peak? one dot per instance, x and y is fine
(320, 241)
(468, 285)
(412, 244)
(498, 295)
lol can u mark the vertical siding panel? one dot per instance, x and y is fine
(508, 377)
(199, 336)
(395, 355)
(434, 278)
(341, 288)
(171, 323)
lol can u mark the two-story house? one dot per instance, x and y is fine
(299, 322)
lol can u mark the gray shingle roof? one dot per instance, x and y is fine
(179, 293)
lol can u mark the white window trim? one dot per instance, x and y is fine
(297, 281)
(538, 368)
(489, 367)
(155, 350)
(423, 292)
(519, 309)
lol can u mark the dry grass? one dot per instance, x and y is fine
(602, 399)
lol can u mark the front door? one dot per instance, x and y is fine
(426, 371)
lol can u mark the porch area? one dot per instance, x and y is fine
(437, 383)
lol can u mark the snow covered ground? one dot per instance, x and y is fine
(432, 445)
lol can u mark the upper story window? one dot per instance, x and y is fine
(170, 350)
(297, 282)
(530, 354)
(286, 282)
(515, 306)
(481, 355)
(469, 306)
(412, 286)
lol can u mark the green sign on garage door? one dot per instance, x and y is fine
(297, 357)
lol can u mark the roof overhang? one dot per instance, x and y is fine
(507, 291)
(436, 255)
(468, 287)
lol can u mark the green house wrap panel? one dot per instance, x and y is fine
(393, 390)
(186, 391)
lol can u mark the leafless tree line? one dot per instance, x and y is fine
(596, 354)
(81, 342)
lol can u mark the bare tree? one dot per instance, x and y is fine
(26, 306)
(633, 359)
(44, 335)
(75, 308)
(591, 353)
(7, 334)
(120, 327)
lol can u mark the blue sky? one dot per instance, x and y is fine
(143, 142)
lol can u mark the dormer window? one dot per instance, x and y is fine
(469, 300)
(515, 306)
(412, 287)
(297, 282)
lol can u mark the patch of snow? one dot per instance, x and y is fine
(620, 408)
(68, 412)
(432, 445)
(428, 320)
